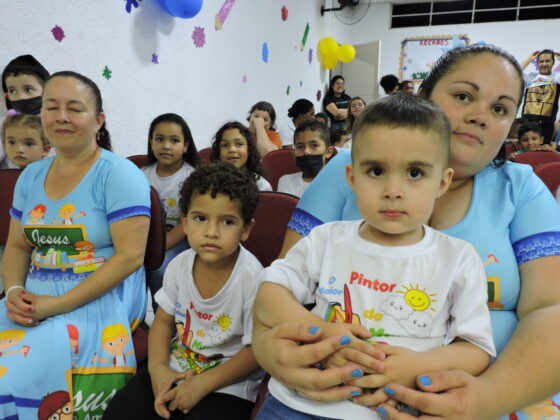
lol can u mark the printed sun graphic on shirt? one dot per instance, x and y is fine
(182, 349)
(418, 299)
(9, 340)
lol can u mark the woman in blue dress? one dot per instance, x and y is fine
(75, 285)
(502, 209)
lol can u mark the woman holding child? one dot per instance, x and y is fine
(490, 204)
(75, 285)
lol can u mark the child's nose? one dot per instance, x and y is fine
(393, 189)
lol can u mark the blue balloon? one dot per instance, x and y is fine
(181, 8)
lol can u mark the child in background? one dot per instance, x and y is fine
(322, 117)
(301, 110)
(356, 107)
(530, 139)
(406, 283)
(340, 139)
(172, 157)
(24, 141)
(205, 311)
(234, 143)
(312, 149)
(22, 83)
(261, 124)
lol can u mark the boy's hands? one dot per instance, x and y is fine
(184, 396)
(402, 366)
(368, 357)
(162, 378)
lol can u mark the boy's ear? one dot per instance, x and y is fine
(247, 230)
(350, 175)
(184, 223)
(329, 152)
(446, 178)
(46, 150)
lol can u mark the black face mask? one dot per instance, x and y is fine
(30, 106)
(310, 165)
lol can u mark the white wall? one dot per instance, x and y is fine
(204, 85)
(518, 38)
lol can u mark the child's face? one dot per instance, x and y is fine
(356, 107)
(214, 227)
(397, 174)
(530, 141)
(23, 86)
(117, 345)
(23, 145)
(234, 148)
(168, 144)
(257, 113)
(310, 143)
(342, 141)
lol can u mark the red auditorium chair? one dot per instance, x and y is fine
(204, 155)
(139, 160)
(8, 179)
(278, 163)
(550, 175)
(535, 159)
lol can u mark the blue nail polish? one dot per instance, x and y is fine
(345, 340)
(355, 393)
(357, 373)
(389, 391)
(424, 380)
(313, 330)
(382, 411)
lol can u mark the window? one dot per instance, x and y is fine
(472, 11)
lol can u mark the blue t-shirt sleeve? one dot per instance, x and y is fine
(23, 185)
(535, 228)
(325, 198)
(127, 191)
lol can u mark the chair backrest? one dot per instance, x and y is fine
(155, 248)
(139, 160)
(535, 159)
(277, 164)
(204, 155)
(510, 148)
(8, 178)
(550, 175)
(271, 222)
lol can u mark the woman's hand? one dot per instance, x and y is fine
(19, 309)
(279, 352)
(40, 307)
(449, 394)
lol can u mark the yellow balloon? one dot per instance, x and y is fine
(328, 46)
(329, 62)
(346, 53)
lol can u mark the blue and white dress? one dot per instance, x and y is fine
(86, 355)
(512, 219)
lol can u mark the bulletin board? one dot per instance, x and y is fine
(419, 53)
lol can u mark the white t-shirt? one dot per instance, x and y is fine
(419, 296)
(287, 133)
(210, 331)
(263, 184)
(292, 184)
(168, 188)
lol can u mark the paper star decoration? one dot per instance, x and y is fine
(130, 4)
(155, 58)
(198, 37)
